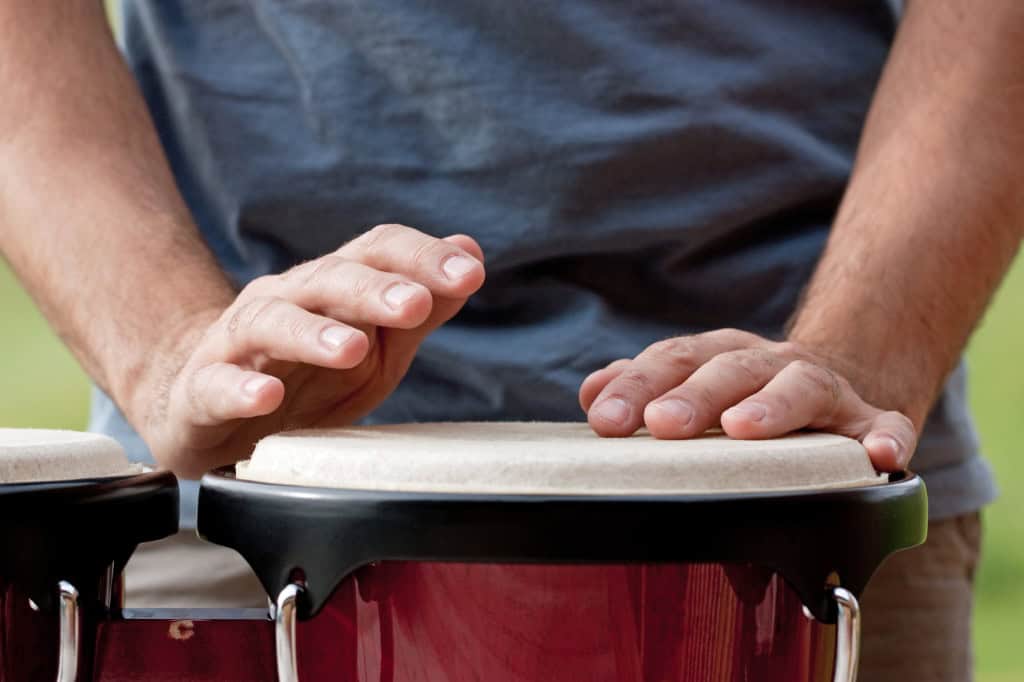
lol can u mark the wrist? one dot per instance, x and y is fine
(141, 384)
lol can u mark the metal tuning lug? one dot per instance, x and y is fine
(847, 636)
(70, 633)
(284, 633)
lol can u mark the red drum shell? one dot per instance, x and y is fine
(23, 635)
(447, 622)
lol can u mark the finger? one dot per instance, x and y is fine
(221, 392)
(805, 395)
(890, 441)
(281, 330)
(802, 395)
(596, 381)
(442, 266)
(404, 343)
(354, 293)
(618, 409)
(467, 244)
(444, 308)
(697, 404)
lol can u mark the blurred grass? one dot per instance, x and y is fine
(45, 388)
(997, 398)
(43, 385)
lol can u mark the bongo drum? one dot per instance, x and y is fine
(72, 510)
(510, 552)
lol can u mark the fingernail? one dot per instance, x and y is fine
(614, 410)
(680, 410)
(754, 412)
(889, 443)
(457, 267)
(335, 337)
(255, 385)
(398, 294)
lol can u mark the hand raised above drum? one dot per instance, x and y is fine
(753, 387)
(319, 345)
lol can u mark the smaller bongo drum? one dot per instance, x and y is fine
(538, 551)
(72, 510)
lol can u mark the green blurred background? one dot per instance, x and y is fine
(46, 388)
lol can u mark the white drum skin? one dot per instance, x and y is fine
(552, 458)
(36, 455)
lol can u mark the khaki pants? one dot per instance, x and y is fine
(916, 611)
(183, 571)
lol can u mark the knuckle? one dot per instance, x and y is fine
(361, 244)
(378, 235)
(805, 369)
(298, 327)
(296, 271)
(678, 354)
(787, 349)
(261, 285)
(360, 286)
(195, 390)
(748, 364)
(706, 397)
(319, 270)
(424, 253)
(702, 396)
(782, 401)
(821, 380)
(250, 314)
(633, 381)
(734, 336)
(901, 421)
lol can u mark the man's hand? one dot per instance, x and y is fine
(755, 388)
(319, 345)
(928, 225)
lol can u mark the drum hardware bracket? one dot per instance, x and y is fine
(284, 633)
(109, 587)
(196, 614)
(70, 633)
(847, 636)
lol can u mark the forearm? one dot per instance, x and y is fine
(90, 217)
(934, 211)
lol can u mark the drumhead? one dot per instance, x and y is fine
(547, 458)
(34, 455)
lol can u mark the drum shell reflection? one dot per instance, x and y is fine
(447, 622)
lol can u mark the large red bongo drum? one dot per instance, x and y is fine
(514, 552)
(72, 510)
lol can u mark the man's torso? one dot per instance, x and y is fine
(632, 170)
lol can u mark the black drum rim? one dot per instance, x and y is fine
(74, 530)
(807, 536)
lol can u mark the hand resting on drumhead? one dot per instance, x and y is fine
(321, 344)
(753, 387)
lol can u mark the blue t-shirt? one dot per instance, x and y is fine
(632, 170)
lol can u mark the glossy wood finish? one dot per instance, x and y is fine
(452, 622)
(28, 639)
(399, 622)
